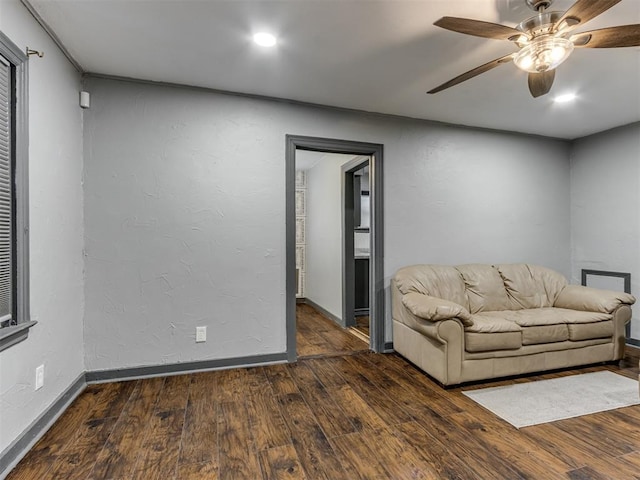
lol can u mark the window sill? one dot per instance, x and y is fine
(9, 336)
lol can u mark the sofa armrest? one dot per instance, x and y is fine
(577, 297)
(435, 309)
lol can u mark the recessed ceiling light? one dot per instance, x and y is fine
(567, 97)
(264, 39)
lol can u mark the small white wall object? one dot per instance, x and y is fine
(85, 100)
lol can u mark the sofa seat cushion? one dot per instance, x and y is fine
(545, 334)
(492, 331)
(533, 327)
(588, 331)
(492, 322)
(535, 317)
(487, 342)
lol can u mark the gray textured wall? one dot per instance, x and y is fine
(605, 206)
(56, 233)
(185, 200)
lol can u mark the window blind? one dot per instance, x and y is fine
(6, 196)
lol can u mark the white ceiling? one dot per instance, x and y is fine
(378, 56)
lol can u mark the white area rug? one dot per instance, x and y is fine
(545, 401)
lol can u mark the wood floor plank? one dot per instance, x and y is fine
(623, 466)
(121, 450)
(314, 450)
(67, 425)
(305, 348)
(113, 398)
(281, 463)
(174, 394)
(632, 458)
(311, 320)
(360, 414)
(34, 469)
(312, 338)
(235, 381)
(384, 405)
(413, 398)
(572, 451)
(343, 341)
(358, 460)
(485, 463)
(581, 453)
(398, 460)
(587, 473)
(596, 435)
(619, 423)
(200, 433)
(198, 471)
(445, 461)
(78, 459)
(497, 436)
(630, 415)
(280, 380)
(329, 415)
(204, 385)
(420, 390)
(158, 458)
(325, 373)
(267, 425)
(318, 335)
(238, 458)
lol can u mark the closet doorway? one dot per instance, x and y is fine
(366, 157)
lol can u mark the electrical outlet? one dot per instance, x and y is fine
(39, 377)
(201, 334)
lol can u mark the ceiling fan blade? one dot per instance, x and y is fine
(478, 28)
(540, 83)
(472, 73)
(612, 37)
(584, 10)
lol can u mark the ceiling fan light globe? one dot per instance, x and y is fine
(543, 53)
(525, 63)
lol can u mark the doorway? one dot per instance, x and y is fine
(356, 241)
(376, 278)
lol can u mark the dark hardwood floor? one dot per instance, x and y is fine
(360, 415)
(316, 335)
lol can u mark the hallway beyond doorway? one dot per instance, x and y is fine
(316, 335)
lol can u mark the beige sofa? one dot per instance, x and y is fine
(474, 322)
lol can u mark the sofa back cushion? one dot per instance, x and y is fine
(530, 286)
(440, 281)
(484, 288)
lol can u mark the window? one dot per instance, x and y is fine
(14, 233)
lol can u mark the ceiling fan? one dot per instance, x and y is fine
(544, 40)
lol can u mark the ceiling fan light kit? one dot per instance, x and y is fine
(542, 54)
(544, 40)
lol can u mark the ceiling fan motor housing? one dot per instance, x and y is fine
(538, 5)
(541, 24)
